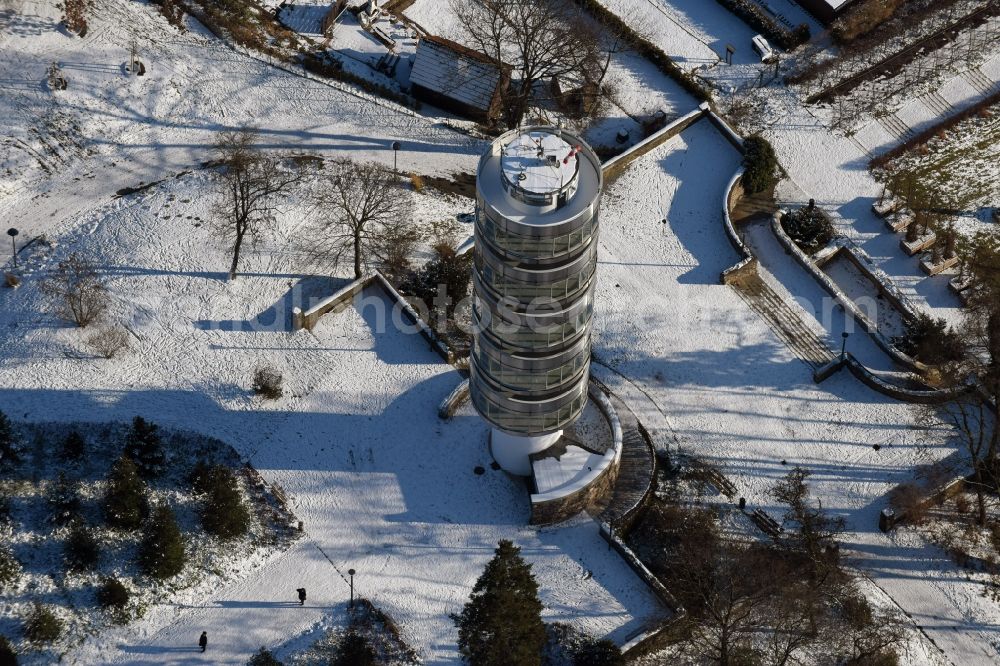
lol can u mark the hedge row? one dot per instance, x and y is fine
(765, 25)
(926, 134)
(645, 48)
(334, 70)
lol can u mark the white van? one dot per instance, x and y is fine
(763, 49)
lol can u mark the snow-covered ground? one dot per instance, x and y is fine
(382, 485)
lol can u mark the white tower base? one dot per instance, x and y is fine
(511, 451)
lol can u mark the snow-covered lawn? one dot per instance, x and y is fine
(382, 484)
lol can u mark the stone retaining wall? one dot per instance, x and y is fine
(556, 506)
(339, 300)
(748, 265)
(614, 167)
(454, 400)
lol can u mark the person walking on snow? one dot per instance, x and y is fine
(302, 596)
(203, 641)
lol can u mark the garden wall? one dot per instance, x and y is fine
(748, 265)
(613, 167)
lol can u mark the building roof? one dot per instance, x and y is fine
(456, 71)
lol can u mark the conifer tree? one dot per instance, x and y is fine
(10, 568)
(7, 655)
(8, 442)
(144, 447)
(224, 515)
(125, 503)
(502, 622)
(81, 550)
(354, 650)
(161, 553)
(64, 500)
(263, 657)
(74, 446)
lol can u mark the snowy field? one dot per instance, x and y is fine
(701, 369)
(60, 152)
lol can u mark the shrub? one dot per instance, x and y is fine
(76, 292)
(200, 477)
(112, 594)
(125, 503)
(862, 18)
(7, 655)
(73, 447)
(418, 182)
(908, 500)
(263, 657)
(598, 653)
(760, 21)
(8, 442)
(267, 382)
(10, 568)
(161, 552)
(64, 500)
(81, 550)
(224, 515)
(42, 625)
(810, 228)
(144, 447)
(759, 163)
(931, 341)
(108, 342)
(354, 650)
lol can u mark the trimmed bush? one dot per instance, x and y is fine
(354, 650)
(760, 165)
(112, 594)
(125, 503)
(144, 447)
(74, 447)
(81, 550)
(810, 228)
(263, 657)
(224, 514)
(10, 568)
(765, 25)
(42, 625)
(267, 382)
(161, 553)
(7, 655)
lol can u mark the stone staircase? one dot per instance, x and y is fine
(938, 104)
(636, 471)
(895, 126)
(980, 81)
(785, 321)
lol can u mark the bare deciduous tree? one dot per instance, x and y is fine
(76, 291)
(541, 40)
(363, 215)
(250, 189)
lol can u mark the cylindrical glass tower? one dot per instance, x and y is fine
(538, 192)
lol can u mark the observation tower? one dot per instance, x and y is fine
(537, 193)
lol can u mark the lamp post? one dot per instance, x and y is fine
(396, 145)
(350, 572)
(12, 232)
(843, 346)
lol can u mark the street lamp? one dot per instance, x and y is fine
(12, 232)
(843, 346)
(396, 145)
(350, 572)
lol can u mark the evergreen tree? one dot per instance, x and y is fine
(8, 442)
(7, 655)
(64, 500)
(81, 550)
(10, 568)
(161, 553)
(200, 477)
(760, 163)
(263, 657)
(144, 447)
(125, 502)
(112, 594)
(74, 447)
(354, 650)
(224, 515)
(42, 625)
(502, 623)
(598, 653)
